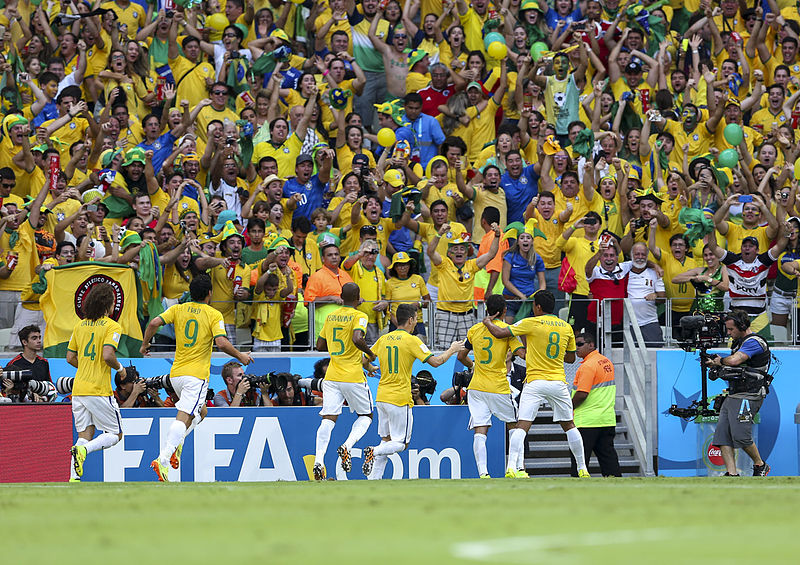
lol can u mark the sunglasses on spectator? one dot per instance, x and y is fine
(9, 184)
(400, 36)
(590, 221)
(580, 343)
(219, 92)
(229, 34)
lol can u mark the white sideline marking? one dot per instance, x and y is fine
(505, 548)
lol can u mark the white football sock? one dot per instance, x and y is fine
(389, 447)
(360, 427)
(378, 467)
(103, 441)
(174, 437)
(576, 447)
(479, 449)
(72, 473)
(521, 457)
(323, 438)
(516, 447)
(195, 421)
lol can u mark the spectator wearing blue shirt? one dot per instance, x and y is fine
(160, 145)
(520, 184)
(305, 190)
(565, 11)
(428, 132)
(523, 273)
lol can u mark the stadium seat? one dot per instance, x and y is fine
(563, 313)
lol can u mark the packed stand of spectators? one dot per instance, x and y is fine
(431, 152)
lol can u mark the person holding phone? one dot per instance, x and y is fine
(754, 213)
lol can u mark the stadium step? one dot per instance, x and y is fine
(547, 451)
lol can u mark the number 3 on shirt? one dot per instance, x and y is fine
(553, 348)
(488, 350)
(190, 333)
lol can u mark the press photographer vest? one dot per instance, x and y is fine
(756, 370)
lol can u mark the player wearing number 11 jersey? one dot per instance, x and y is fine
(396, 352)
(550, 342)
(343, 336)
(198, 327)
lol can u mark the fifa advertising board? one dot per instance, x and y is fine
(277, 444)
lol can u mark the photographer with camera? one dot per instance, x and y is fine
(489, 392)
(30, 337)
(133, 392)
(747, 388)
(239, 391)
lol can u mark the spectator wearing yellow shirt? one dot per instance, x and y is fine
(472, 19)
(482, 113)
(193, 75)
(269, 296)
(404, 287)
(130, 16)
(364, 271)
(777, 112)
(754, 213)
(550, 221)
(418, 77)
(578, 251)
(69, 128)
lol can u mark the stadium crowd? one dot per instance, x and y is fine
(431, 152)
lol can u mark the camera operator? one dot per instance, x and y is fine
(238, 391)
(287, 393)
(747, 392)
(131, 392)
(30, 337)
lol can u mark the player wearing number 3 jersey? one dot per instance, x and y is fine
(396, 352)
(489, 392)
(343, 336)
(198, 327)
(549, 343)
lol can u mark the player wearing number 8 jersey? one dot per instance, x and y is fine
(343, 336)
(549, 343)
(92, 350)
(396, 352)
(488, 391)
(198, 326)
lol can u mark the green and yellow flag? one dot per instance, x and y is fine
(62, 303)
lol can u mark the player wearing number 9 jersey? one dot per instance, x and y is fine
(92, 350)
(396, 353)
(489, 392)
(550, 342)
(343, 334)
(198, 326)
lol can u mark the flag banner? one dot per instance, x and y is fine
(67, 288)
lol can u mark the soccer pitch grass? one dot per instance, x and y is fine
(536, 521)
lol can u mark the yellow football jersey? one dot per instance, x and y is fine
(682, 294)
(337, 331)
(93, 377)
(197, 325)
(489, 372)
(396, 352)
(549, 339)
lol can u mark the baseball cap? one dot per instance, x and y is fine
(475, 84)
(750, 239)
(633, 67)
(303, 158)
(394, 178)
(360, 159)
(134, 155)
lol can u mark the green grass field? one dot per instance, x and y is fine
(536, 521)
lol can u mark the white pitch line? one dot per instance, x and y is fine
(501, 549)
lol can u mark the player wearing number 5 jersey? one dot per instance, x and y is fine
(396, 352)
(343, 336)
(93, 351)
(488, 391)
(549, 343)
(198, 327)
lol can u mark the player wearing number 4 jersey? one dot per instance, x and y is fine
(198, 327)
(489, 392)
(396, 352)
(93, 351)
(343, 336)
(549, 343)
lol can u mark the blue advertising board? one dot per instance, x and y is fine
(303, 366)
(684, 446)
(277, 444)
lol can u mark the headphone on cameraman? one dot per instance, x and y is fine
(740, 319)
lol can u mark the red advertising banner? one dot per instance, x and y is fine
(34, 442)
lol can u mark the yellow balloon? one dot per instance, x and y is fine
(298, 1)
(497, 50)
(797, 169)
(386, 137)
